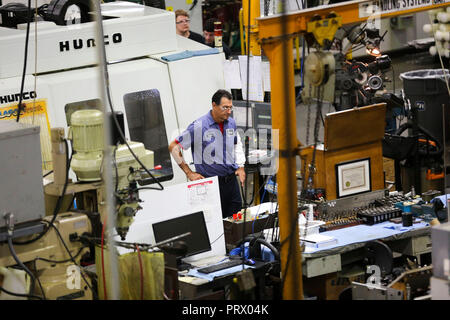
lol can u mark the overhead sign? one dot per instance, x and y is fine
(377, 7)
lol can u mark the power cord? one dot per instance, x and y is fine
(39, 281)
(58, 203)
(289, 238)
(60, 261)
(9, 217)
(27, 35)
(116, 122)
(20, 294)
(71, 257)
(217, 239)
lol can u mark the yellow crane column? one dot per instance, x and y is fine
(253, 7)
(281, 57)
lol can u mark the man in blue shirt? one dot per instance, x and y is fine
(217, 151)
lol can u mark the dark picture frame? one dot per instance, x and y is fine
(353, 177)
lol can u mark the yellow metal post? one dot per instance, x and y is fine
(251, 6)
(281, 57)
(241, 32)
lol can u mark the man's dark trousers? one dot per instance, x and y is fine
(230, 197)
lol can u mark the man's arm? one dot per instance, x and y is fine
(175, 150)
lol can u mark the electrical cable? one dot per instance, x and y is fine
(48, 173)
(105, 293)
(35, 58)
(71, 203)
(20, 294)
(39, 281)
(267, 221)
(247, 104)
(116, 169)
(253, 195)
(20, 263)
(58, 202)
(60, 261)
(71, 257)
(393, 78)
(116, 122)
(290, 239)
(262, 198)
(9, 221)
(217, 238)
(27, 36)
(141, 271)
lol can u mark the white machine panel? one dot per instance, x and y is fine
(176, 201)
(194, 81)
(136, 31)
(185, 87)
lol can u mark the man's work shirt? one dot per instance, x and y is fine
(213, 145)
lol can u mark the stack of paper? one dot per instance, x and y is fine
(318, 241)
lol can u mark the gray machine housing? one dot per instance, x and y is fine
(21, 190)
(440, 238)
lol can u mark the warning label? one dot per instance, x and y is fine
(34, 112)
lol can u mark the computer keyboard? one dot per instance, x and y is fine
(220, 266)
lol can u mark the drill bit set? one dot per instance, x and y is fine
(339, 219)
(367, 209)
(377, 214)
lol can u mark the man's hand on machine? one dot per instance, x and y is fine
(240, 172)
(194, 176)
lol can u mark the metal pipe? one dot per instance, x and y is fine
(114, 285)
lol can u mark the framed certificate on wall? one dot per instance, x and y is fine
(353, 177)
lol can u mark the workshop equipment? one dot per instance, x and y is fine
(350, 135)
(140, 81)
(42, 254)
(86, 132)
(441, 262)
(275, 34)
(407, 219)
(427, 96)
(374, 214)
(20, 171)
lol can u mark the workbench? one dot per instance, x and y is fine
(411, 241)
(328, 271)
(194, 285)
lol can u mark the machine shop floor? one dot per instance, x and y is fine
(401, 62)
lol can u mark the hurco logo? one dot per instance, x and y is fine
(78, 44)
(16, 97)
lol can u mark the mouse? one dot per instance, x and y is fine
(250, 262)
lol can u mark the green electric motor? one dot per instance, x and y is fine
(86, 132)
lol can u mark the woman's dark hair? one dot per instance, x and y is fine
(209, 24)
(219, 95)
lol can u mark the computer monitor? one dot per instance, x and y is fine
(197, 242)
(262, 115)
(239, 114)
